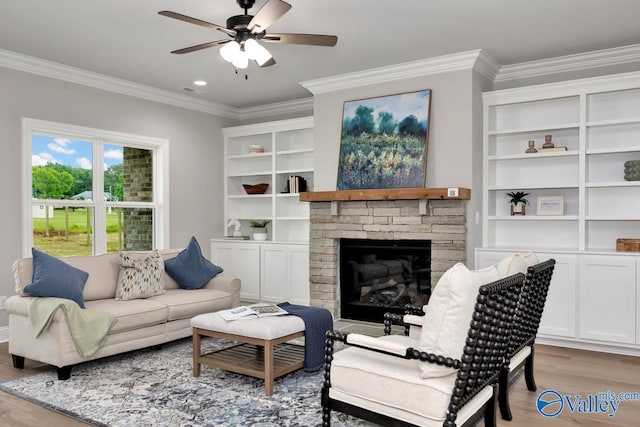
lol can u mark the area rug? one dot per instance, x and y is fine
(155, 387)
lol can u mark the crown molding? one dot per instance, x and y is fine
(30, 64)
(560, 64)
(441, 64)
(295, 106)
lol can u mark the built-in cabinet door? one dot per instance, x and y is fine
(241, 260)
(608, 298)
(559, 315)
(299, 274)
(274, 273)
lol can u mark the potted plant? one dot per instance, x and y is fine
(259, 229)
(518, 202)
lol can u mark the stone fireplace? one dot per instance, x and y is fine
(436, 215)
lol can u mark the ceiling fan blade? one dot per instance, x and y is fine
(270, 62)
(200, 46)
(191, 20)
(309, 39)
(267, 15)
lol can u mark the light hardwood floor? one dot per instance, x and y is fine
(568, 371)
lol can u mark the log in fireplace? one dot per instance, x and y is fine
(378, 276)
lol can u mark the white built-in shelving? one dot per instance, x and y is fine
(594, 298)
(288, 150)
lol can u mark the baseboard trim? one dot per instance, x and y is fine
(589, 345)
(4, 334)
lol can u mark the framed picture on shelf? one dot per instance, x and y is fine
(384, 142)
(550, 205)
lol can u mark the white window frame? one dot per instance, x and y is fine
(98, 137)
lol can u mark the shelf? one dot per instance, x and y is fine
(385, 194)
(531, 187)
(603, 123)
(286, 195)
(534, 218)
(603, 218)
(240, 175)
(529, 156)
(299, 151)
(614, 151)
(525, 130)
(249, 196)
(612, 184)
(291, 171)
(248, 156)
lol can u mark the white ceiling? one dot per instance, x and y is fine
(129, 40)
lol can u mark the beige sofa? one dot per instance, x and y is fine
(139, 323)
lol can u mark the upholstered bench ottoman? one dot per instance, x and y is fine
(261, 351)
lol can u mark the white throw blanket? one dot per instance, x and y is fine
(88, 328)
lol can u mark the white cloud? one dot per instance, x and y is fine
(113, 154)
(83, 162)
(63, 142)
(60, 149)
(42, 159)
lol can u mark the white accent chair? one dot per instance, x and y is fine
(389, 381)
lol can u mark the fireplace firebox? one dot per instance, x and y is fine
(379, 276)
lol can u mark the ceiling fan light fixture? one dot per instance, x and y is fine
(257, 52)
(241, 60)
(230, 50)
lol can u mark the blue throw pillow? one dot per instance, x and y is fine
(190, 269)
(54, 278)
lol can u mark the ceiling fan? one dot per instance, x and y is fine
(246, 30)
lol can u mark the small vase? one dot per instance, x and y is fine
(518, 209)
(260, 234)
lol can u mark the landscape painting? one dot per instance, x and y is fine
(384, 142)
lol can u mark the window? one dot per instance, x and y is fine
(89, 191)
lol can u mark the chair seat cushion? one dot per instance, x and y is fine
(390, 381)
(519, 357)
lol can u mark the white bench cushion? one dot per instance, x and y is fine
(266, 328)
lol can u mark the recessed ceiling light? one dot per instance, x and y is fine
(200, 83)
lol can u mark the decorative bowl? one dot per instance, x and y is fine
(256, 189)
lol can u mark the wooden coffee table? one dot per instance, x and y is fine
(261, 351)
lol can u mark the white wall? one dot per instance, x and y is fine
(195, 153)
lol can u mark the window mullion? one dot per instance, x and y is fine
(100, 220)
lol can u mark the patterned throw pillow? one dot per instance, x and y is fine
(140, 277)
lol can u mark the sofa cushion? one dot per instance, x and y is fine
(55, 278)
(392, 381)
(132, 314)
(516, 263)
(140, 277)
(448, 314)
(190, 269)
(182, 303)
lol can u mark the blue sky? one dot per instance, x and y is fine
(74, 153)
(401, 105)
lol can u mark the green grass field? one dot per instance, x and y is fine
(76, 240)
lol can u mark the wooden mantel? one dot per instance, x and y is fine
(388, 194)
